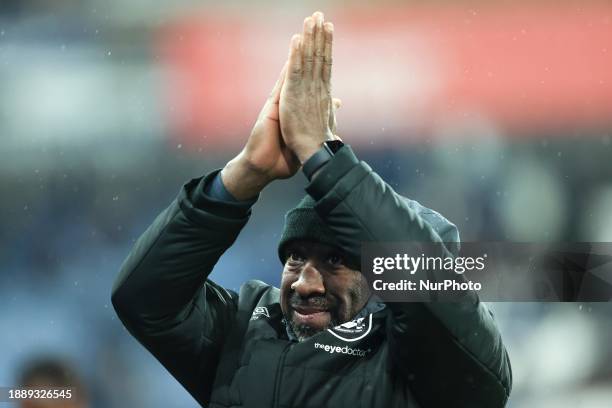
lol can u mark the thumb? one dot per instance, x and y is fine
(337, 103)
(275, 94)
(269, 109)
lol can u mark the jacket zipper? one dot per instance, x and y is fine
(278, 377)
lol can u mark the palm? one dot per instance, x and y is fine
(270, 152)
(266, 150)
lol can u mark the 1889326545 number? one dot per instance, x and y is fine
(9, 394)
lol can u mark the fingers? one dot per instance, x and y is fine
(328, 34)
(316, 48)
(308, 46)
(295, 58)
(319, 45)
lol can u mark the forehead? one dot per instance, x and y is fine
(307, 248)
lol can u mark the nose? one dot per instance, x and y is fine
(310, 281)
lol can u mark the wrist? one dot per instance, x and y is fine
(309, 146)
(304, 153)
(243, 180)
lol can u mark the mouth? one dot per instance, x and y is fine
(316, 318)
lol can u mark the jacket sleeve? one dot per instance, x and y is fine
(451, 353)
(163, 296)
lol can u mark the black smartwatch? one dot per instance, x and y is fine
(322, 156)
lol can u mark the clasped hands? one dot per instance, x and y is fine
(298, 116)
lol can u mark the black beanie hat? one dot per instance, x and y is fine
(303, 222)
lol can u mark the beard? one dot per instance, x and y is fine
(304, 331)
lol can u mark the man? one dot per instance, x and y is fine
(320, 340)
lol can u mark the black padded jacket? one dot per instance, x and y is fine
(231, 349)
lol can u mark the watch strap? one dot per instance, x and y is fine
(316, 161)
(321, 157)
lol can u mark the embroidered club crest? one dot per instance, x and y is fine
(353, 330)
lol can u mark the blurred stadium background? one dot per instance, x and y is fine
(499, 115)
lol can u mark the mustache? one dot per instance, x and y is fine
(319, 302)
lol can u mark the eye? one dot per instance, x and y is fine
(295, 257)
(335, 260)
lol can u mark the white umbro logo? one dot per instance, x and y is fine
(260, 311)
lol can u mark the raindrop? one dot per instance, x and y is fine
(179, 146)
(115, 198)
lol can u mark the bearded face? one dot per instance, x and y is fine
(318, 290)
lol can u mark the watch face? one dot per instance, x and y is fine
(334, 145)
